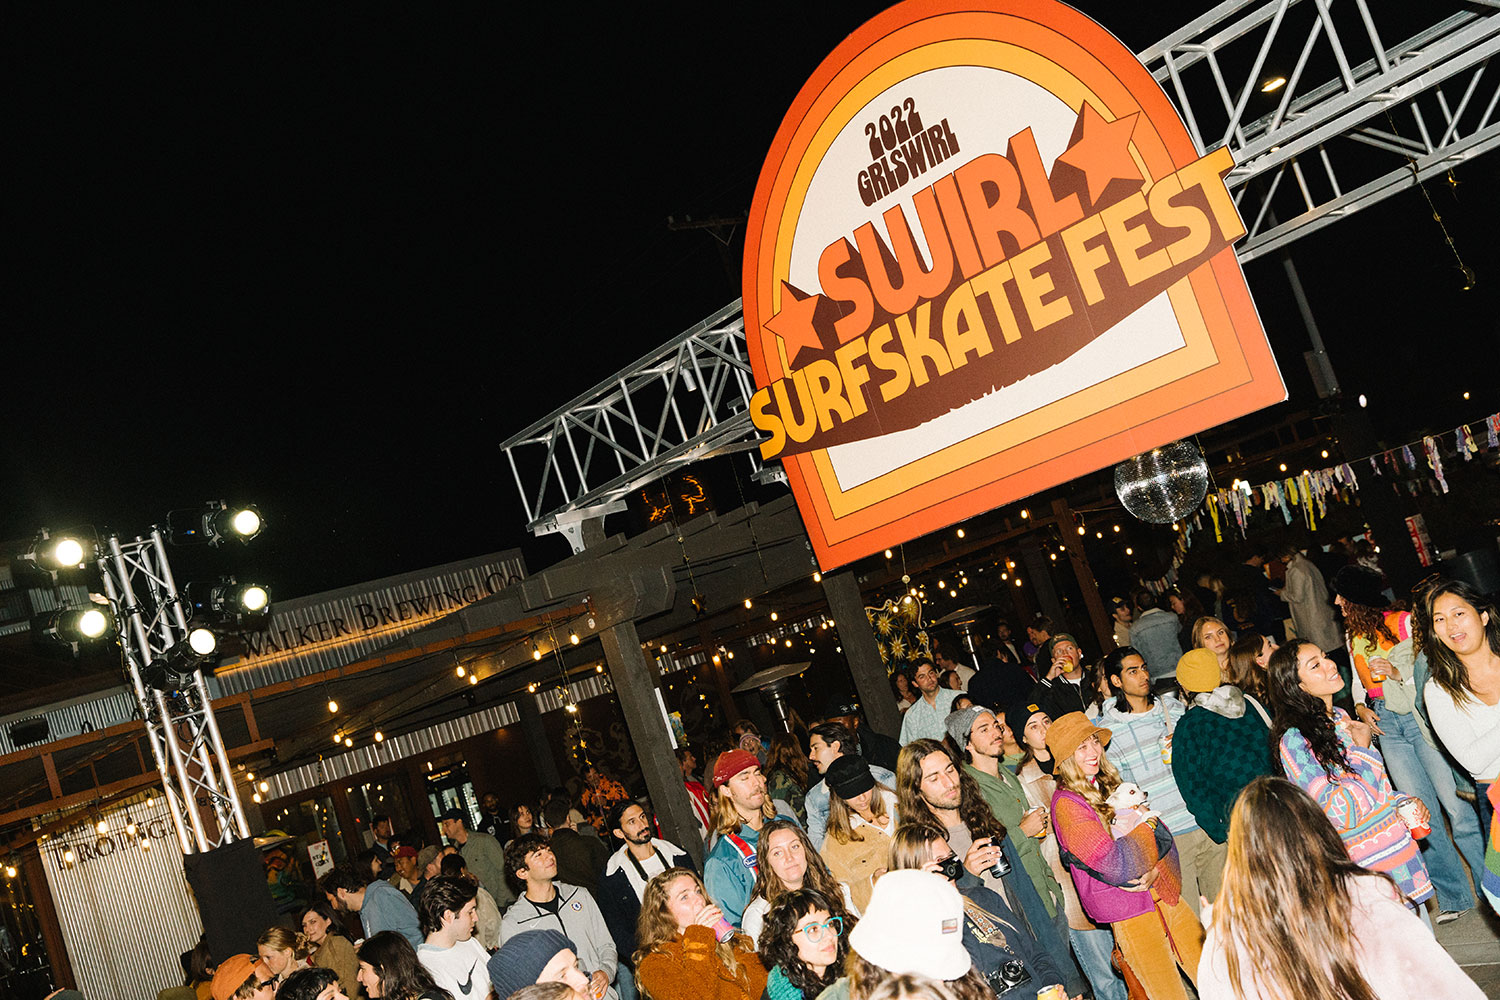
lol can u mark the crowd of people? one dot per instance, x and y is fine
(1209, 802)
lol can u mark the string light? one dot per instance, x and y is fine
(102, 826)
(960, 532)
(333, 706)
(473, 679)
(1025, 513)
(748, 603)
(774, 616)
(818, 577)
(536, 652)
(573, 638)
(379, 736)
(460, 671)
(888, 553)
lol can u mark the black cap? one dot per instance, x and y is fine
(457, 814)
(849, 776)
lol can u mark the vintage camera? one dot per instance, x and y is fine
(1008, 977)
(951, 868)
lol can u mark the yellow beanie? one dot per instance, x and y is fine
(1198, 670)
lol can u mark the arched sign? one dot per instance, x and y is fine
(984, 258)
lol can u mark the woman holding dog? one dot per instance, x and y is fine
(1145, 726)
(1134, 884)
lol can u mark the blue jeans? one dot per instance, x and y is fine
(625, 984)
(1093, 950)
(1420, 771)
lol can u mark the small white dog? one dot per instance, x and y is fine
(1131, 809)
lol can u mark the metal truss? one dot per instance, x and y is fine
(1380, 119)
(180, 725)
(682, 403)
(1309, 154)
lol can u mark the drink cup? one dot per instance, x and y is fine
(1053, 992)
(1408, 811)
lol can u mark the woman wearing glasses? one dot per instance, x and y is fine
(803, 945)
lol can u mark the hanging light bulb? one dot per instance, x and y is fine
(379, 736)
(145, 844)
(536, 653)
(888, 553)
(102, 826)
(817, 578)
(333, 706)
(69, 857)
(473, 679)
(348, 741)
(129, 826)
(960, 532)
(460, 671)
(773, 616)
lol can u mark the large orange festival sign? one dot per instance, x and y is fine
(984, 258)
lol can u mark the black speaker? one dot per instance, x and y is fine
(29, 731)
(233, 899)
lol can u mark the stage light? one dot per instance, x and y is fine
(229, 603)
(174, 668)
(214, 523)
(52, 554)
(74, 626)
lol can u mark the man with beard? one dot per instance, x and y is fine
(930, 788)
(924, 719)
(741, 808)
(639, 858)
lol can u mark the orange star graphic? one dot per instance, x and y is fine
(1102, 150)
(794, 323)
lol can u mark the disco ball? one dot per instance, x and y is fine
(1165, 484)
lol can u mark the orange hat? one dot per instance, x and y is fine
(232, 973)
(1069, 733)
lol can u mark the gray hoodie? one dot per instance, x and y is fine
(577, 917)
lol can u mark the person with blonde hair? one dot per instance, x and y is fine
(741, 809)
(685, 948)
(1133, 883)
(283, 951)
(1296, 917)
(861, 820)
(1212, 634)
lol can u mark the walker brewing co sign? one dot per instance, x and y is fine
(985, 258)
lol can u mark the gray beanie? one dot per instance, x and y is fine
(517, 963)
(959, 723)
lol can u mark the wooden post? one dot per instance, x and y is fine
(1103, 630)
(631, 673)
(862, 652)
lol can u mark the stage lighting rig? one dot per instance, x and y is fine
(228, 603)
(214, 523)
(53, 554)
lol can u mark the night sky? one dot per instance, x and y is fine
(327, 258)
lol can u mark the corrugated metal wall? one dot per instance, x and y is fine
(126, 914)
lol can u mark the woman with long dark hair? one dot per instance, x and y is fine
(1246, 670)
(389, 970)
(786, 773)
(1463, 693)
(1297, 918)
(804, 945)
(1330, 757)
(788, 862)
(686, 950)
(1380, 647)
(331, 949)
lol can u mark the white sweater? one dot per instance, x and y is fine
(1471, 731)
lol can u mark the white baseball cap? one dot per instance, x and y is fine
(914, 924)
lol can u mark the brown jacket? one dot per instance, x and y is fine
(688, 968)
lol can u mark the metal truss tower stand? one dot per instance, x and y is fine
(180, 724)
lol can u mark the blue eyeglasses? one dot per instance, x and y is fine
(814, 932)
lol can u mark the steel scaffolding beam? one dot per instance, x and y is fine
(1381, 119)
(180, 726)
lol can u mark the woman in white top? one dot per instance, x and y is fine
(789, 862)
(1463, 693)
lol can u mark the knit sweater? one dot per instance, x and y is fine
(1218, 748)
(1362, 807)
(1039, 787)
(1136, 749)
(688, 968)
(1082, 832)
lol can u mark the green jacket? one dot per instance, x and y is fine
(1007, 800)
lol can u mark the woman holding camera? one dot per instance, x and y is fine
(1134, 884)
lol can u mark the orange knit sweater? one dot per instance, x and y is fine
(688, 968)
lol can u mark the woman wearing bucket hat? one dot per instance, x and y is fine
(914, 926)
(1331, 758)
(1381, 649)
(1134, 884)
